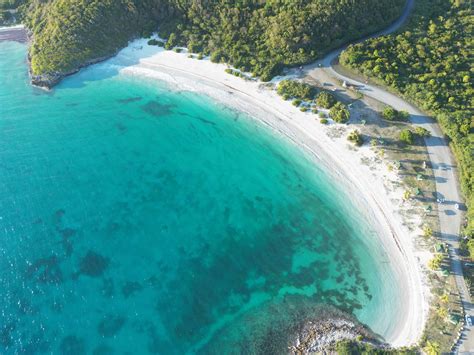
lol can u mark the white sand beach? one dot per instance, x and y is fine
(372, 186)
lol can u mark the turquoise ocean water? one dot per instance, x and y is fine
(135, 219)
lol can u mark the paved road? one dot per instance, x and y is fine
(442, 163)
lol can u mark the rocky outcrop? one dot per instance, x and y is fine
(49, 80)
(321, 334)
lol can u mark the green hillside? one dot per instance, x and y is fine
(430, 63)
(70, 33)
(258, 36)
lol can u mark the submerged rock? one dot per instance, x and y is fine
(93, 264)
(110, 325)
(72, 345)
(46, 270)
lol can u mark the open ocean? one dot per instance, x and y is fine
(136, 219)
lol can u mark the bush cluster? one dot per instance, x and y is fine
(292, 89)
(390, 114)
(339, 113)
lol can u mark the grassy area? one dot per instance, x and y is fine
(443, 323)
(418, 179)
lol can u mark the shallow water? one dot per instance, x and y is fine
(138, 219)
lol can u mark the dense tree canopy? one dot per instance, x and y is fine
(256, 36)
(339, 113)
(264, 36)
(430, 63)
(69, 33)
(292, 89)
(325, 100)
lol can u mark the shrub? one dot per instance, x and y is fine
(266, 76)
(295, 89)
(403, 115)
(324, 120)
(435, 263)
(389, 113)
(356, 138)
(422, 132)
(216, 56)
(322, 114)
(339, 113)
(325, 100)
(171, 42)
(296, 102)
(427, 231)
(304, 109)
(177, 50)
(194, 47)
(407, 136)
(145, 33)
(200, 56)
(154, 42)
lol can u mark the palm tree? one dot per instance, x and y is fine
(444, 298)
(431, 348)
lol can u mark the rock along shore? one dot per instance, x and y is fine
(331, 326)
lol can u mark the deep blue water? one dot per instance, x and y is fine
(137, 219)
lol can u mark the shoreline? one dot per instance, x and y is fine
(302, 129)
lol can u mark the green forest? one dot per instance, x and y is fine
(261, 37)
(430, 63)
(70, 33)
